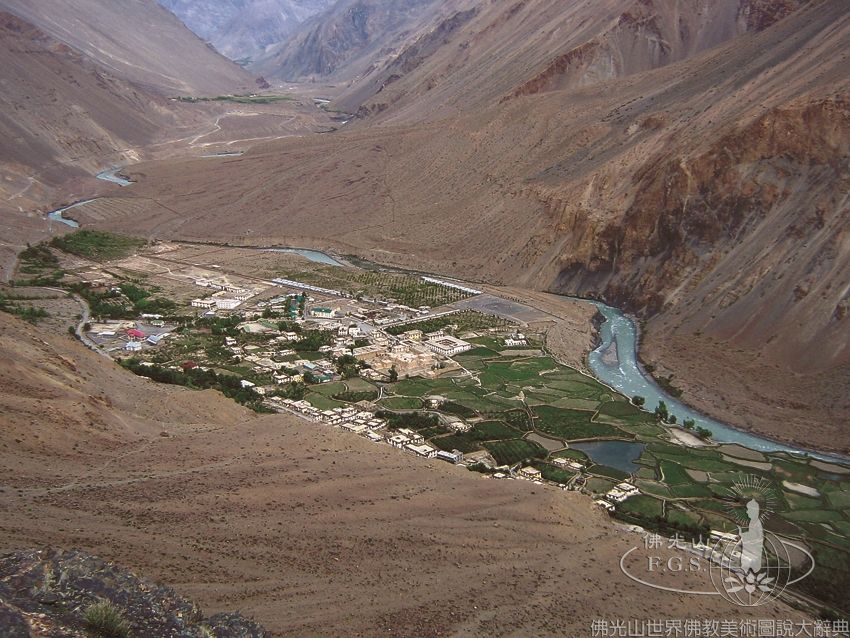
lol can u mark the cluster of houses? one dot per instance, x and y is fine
(568, 464)
(617, 494)
(516, 339)
(412, 354)
(347, 416)
(368, 425)
(226, 297)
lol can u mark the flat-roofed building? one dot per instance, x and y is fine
(224, 303)
(448, 346)
(531, 473)
(452, 457)
(425, 451)
(323, 312)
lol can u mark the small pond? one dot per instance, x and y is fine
(620, 455)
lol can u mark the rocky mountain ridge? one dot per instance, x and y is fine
(351, 38)
(243, 29)
(137, 41)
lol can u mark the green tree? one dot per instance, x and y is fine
(661, 411)
(639, 400)
(688, 424)
(393, 375)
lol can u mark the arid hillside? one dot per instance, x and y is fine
(136, 40)
(305, 529)
(483, 52)
(708, 195)
(351, 39)
(242, 29)
(62, 113)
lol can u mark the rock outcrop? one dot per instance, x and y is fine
(48, 592)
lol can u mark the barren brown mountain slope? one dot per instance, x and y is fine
(242, 29)
(489, 51)
(709, 195)
(351, 38)
(62, 113)
(135, 40)
(65, 117)
(306, 529)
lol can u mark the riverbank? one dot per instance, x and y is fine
(744, 388)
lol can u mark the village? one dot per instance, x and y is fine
(431, 368)
(295, 340)
(331, 357)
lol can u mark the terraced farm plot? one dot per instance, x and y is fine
(689, 490)
(674, 474)
(461, 442)
(623, 413)
(839, 499)
(612, 472)
(513, 451)
(401, 403)
(98, 245)
(572, 425)
(814, 516)
(553, 473)
(800, 502)
(642, 505)
(329, 389)
(359, 385)
(322, 402)
(464, 321)
(477, 399)
(493, 430)
(409, 290)
(575, 455)
(422, 387)
(683, 517)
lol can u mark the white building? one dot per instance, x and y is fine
(425, 451)
(412, 437)
(452, 457)
(226, 303)
(323, 312)
(399, 440)
(447, 346)
(530, 473)
(203, 303)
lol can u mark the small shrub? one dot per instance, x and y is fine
(105, 620)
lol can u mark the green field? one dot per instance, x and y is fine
(322, 402)
(513, 451)
(329, 389)
(97, 245)
(401, 403)
(572, 425)
(493, 430)
(239, 99)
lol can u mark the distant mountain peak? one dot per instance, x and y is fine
(243, 29)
